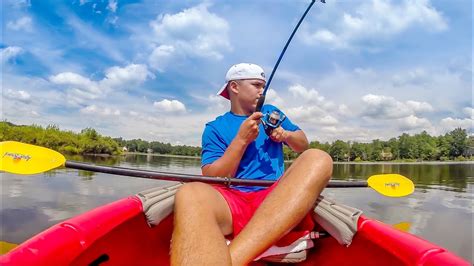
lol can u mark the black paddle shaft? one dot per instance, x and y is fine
(148, 174)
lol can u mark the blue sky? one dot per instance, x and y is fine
(356, 70)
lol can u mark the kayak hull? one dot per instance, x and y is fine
(118, 234)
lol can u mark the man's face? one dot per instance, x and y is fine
(250, 91)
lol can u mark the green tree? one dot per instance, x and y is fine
(359, 150)
(427, 148)
(339, 150)
(394, 146)
(458, 143)
(443, 143)
(406, 146)
(88, 141)
(318, 145)
(376, 149)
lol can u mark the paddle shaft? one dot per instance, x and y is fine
(148, 174)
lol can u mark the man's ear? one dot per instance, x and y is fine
(233, 86)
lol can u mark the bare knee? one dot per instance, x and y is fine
(190, 194)
(200, 200)
(319, 160)
(317, 155)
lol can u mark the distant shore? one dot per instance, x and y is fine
(424, 162)
(162, 155)
(289, 161)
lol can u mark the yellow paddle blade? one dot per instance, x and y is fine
(26, 159)
(6, 246)
(403, 226)
(391, 185)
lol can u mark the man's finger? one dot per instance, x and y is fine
(274, 134)
(256, 116)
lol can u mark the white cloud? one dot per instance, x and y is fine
(23, 23)
(343, 110)
(10, 52)
(385, 107)
(19, 95)
(75, 80)
(161, 57)
(103, 111)
(193, 32)
(273, 98)
(375, 20)
(311, 114)
(82, 88)
(412, 122)
(112, 20)
(132, 74)
(469, 111)
(416, 76)
(217, 103)
(167, 106)
(112, 6)
(79, 88)
(378, 106)
(419, 107)
(450, 123)
(305, 94)
(309, 109)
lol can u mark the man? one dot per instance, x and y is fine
(235, 145)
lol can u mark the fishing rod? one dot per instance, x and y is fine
(274, 120)
(261, 100)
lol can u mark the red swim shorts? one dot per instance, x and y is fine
(242, 204)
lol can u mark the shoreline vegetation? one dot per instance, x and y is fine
(339, 162)
(453, 147)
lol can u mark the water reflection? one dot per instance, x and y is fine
(440, 210)
(454, 177)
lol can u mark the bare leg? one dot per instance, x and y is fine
(284, 207)
(201, 219)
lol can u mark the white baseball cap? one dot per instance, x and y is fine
(241, 71)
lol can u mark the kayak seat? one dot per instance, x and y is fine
(158, 203)
(338, 220)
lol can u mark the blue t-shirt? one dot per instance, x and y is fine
(263, 158)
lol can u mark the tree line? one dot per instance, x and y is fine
(143, 146)
(454, 145)
(88, 141)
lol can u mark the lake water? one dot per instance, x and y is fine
(440, 210)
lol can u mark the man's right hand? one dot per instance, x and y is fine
(248, 131)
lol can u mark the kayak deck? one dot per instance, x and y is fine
(118, 234)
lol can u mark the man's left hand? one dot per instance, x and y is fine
(279, 134)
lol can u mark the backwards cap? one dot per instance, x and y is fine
(239, 72)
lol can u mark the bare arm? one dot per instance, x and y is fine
(296, 140)
(229, 162)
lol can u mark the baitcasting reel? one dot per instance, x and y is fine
(272, 121)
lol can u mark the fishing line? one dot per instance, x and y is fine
(261, 100)
(274, 119)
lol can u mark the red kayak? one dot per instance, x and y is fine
(137, 231)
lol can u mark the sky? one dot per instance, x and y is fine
(355, 70)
